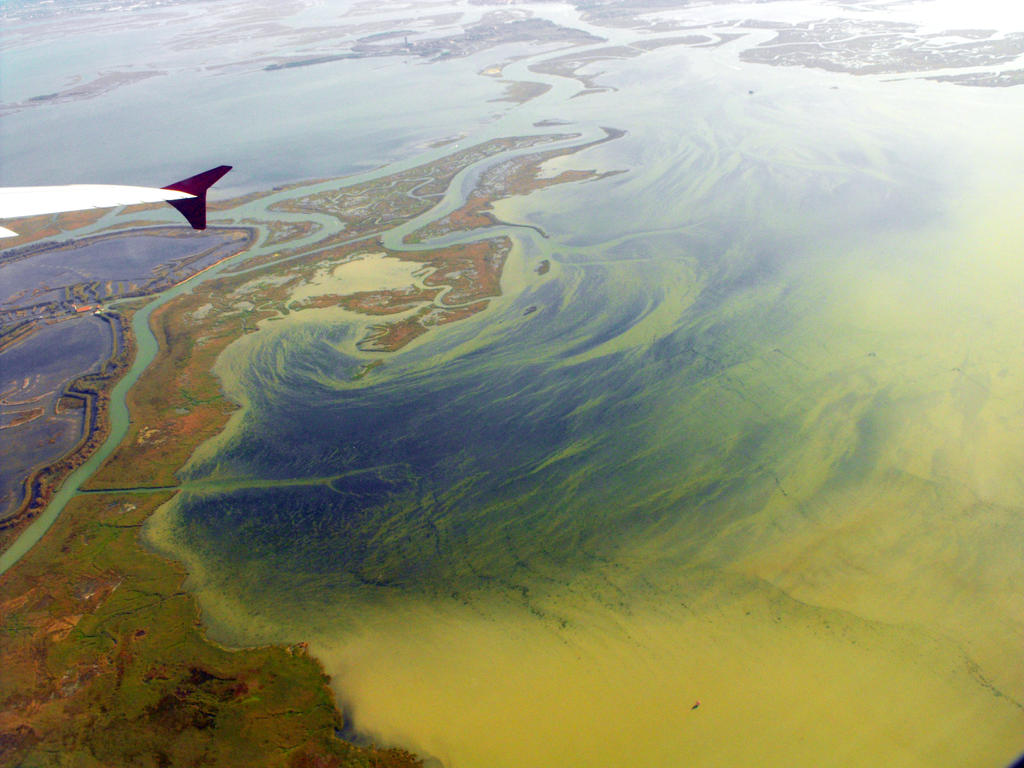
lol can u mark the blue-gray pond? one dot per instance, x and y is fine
(731, 470)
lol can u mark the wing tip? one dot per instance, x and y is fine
(194, 208)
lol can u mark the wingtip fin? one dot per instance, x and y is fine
(194, 208)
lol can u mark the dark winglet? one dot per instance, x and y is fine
(194, 208)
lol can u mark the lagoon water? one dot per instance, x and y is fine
(745, 487)
(32, 379)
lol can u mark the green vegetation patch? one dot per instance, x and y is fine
(105, 664)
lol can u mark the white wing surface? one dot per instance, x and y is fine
(18, 202)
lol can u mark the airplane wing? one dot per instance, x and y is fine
(187, 195)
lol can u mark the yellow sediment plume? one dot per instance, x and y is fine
(780, 683)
